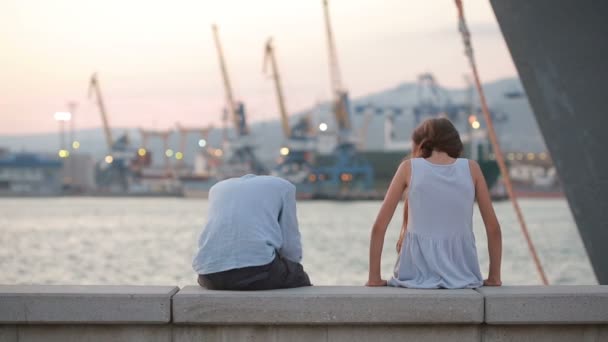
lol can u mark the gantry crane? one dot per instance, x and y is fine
(349, 171)
(95, 91)
(270, 58)
(235, 109)
(241, 156)
(114, 172)
(295, 163)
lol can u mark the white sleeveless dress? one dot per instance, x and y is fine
(438, 250)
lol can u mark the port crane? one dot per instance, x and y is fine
(349, 171)
(296, 158)
(340, 94)
(241, 158)
(114, 172)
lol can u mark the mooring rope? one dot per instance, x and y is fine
(466, 38)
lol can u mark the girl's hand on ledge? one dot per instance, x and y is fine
(376, 282)
(492, 282)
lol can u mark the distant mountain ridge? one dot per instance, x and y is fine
(518, 133)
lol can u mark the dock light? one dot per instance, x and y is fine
(179, 155)
(323, 127)
(142, 152)
(284, 151)
(202, 143)
(109, 159)
(312, 178)
(475, 124)
(511, 156)
(218, 153)
(63, 116)
(169, 153)
(76, 144)
(530, 156)
(346, 177)
(472, 118)
(542, 156)
(63, 153)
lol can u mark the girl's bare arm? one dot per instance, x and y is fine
(482, 195)
(403, 227)
(392, 198)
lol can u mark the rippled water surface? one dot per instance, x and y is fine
(152, 241)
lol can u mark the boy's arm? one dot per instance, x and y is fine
(288, 220)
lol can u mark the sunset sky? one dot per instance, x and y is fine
(157, 63)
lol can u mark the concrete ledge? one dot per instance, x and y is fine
(327, 305)
(334, 313)
(53, 304)
(546, 304)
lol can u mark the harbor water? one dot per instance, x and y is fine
(149, 241)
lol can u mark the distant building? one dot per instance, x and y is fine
(30, 174)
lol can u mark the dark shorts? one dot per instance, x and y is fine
(278, 274)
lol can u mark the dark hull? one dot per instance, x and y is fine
(560, 50)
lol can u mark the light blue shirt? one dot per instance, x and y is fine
(250, 219)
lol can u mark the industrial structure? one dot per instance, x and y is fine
(433, 101)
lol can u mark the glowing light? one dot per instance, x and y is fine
(543, 156)
(511, 156)
(109, 159)
(179, 156)
(76, 145)
(284, 151)
(475, 124)
(530, 156)
(63, 116)
(346, 177)
(63, 153)
(312, 178)
(202, 143)
(323, 127)
(218, 153)
(472, 118)
(169, 153)
(142, 152)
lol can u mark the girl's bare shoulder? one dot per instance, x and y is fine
(475, 169)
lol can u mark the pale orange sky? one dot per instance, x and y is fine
(157, 63)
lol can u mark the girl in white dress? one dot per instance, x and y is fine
(436, 245)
